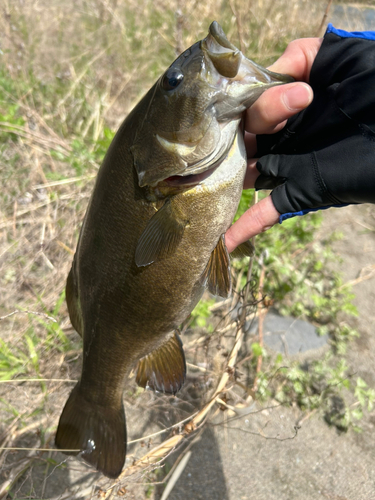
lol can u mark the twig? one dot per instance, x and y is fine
(261, 317)
(19, 380)
(74, 496)
(178, 28)
(271, 438)
(192, 442)
(362, 277)
(143, 438)
(239, 25)
(196, 367)
(65, 247)
(64, 181)
(324, 18)
(42, 139)
(81, 75)
(15, 448)
(305, 417)
(26, 311)
(366, 226)
(15, 474)
(175, 476)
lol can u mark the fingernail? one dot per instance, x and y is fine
(298, 97)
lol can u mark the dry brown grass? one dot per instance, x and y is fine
(70, 68)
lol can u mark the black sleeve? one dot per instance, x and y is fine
(325, 155)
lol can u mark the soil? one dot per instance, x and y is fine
(234, 462)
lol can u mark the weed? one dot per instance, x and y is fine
(202, 313)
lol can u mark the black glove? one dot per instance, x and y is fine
(326, 154)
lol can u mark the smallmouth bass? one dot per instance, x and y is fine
(152, 238)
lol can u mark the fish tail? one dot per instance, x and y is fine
(97, 432)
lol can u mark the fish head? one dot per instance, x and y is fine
(193, 112)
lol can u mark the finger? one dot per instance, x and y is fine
(250, 144)
(298, 58)
(257, 219)
(269, 113)
(252, 173)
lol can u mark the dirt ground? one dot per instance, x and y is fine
(319, 462)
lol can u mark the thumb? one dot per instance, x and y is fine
(260, 217)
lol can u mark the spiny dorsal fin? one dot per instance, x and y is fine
(161, 236)
(164, 369)
(246, 249)
(72, 301)
(217, 276)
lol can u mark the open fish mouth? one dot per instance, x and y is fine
(190, 180)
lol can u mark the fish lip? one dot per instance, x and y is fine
(241, 79)
(189, 180)
(223, 55)
(217, 39)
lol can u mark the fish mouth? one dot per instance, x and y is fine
(188, 181)
(241, 79)
(231, 63)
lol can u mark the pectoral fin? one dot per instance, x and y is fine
(161, 236)
(217, 276)
(246, 249)
(164, 369)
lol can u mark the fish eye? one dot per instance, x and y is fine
(172, 79)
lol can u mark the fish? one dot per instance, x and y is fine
(152, 239)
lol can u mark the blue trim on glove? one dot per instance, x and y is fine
(368, 35)
(306, 211)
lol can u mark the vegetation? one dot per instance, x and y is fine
(69, 73)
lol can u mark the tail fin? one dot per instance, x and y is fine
(99, 432)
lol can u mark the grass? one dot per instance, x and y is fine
(69, 74)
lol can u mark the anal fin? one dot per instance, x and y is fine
(216, 276)
(246, 249)
(164, 369)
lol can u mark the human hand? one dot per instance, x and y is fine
(267, 116)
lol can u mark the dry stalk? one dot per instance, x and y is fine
(366, 273)
(35, 313)
(324, 19)
(44, 140)
(177, 473)
(239, 25)
(261, 315)
(16, 473)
